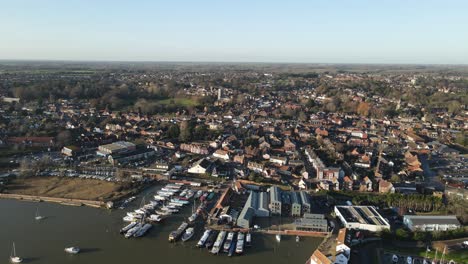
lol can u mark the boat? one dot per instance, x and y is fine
(395, 258)
(298, 239)
(13, 257)
(174, 235)
(204, 238)
(188, 234)
(232, 248)
(133, 230)
(228, 242)
(155, 218)
(38, 216)
(248, 240)
(278, 237)
(127, 227)
(72, 250)
(211, 239)
(219, 241)
(240, 243)
(198, 194)
(142, 231)
(409, 260)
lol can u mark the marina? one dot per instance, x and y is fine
(97, 233)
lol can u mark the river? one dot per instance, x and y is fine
(95, 231)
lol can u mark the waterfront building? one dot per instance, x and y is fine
(431, 222)
(275, 200)
(362, 218)
(312, 222)
(295, 204)
(305, 202)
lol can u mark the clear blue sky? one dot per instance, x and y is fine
(331, 31)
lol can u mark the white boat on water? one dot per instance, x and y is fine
(155, 218)
(189, 232)
(38, 215)
(278, 237)
(219, 241)
(248, 240)
(127, 227)
(13, 257)
(204, 237)
(133, 230)
(240, 243)
(298, 239)
(228, 242)
(142, 231)
(198, 194)
(72, 250)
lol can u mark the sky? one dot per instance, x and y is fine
(310, 31)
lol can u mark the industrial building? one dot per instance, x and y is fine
(115, 148)
(295, 204)
(305, 202)
(362, 218)
(431, 222)
(312, 222)
(275, 200)
(255, 206)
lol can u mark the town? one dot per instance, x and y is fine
(362, 157)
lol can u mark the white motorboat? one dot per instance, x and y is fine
(127, 227)
(228, 242)
(298, 239)
(188, 234)
(278, 237)
(155, 218)
(204, 237)
(38, 215)
(13, 257)
(72, 250)
(240, 243)
(142, 231)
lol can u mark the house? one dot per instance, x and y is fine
(279, 160)
(386, 187)
(341, 246)
(347, 183)
(202, 166)
(289, 146)
(254, 166)
(222, 154)
(239, 159)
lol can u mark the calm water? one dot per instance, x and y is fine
(95, 231)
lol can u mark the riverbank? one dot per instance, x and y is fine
(66, 189)
(64, 201)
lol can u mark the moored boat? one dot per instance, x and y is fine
(228, 242)
(211, 239)
(127, 227)
(188, 234)
(248, 240)
(72, 250)
(174, 235)
(240, 243)
(204, 238)
(218, 243)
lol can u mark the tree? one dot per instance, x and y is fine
(185, 131)
(395, 178)
(64, 138)
(402, 234)
(363, 109)
(173, 132)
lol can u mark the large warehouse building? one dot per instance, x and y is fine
(431, 222)
(361, 217)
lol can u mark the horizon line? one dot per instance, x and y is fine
(233, 62)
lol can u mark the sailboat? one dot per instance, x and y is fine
(38, 216)
(278, 236)
(13, 257)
